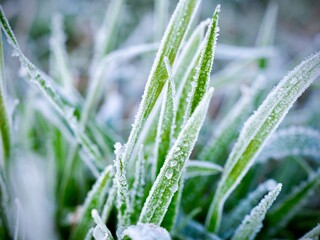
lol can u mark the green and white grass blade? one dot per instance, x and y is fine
(145, 231)
(161, 17)
(232, 220)
(4, 118)
(197, 168)
(107, 32)
(165, 127)
(138, 188)
(123, 197)
(202, 77)
(49, 89)
(190, 49)
(94, 200)
(217, 147)
(252, 223)
(166, 183)
(313, 234)
(292, 141)
(283, 212)
(257, 130)
(169, 47)
(60, 61)
(100, 231)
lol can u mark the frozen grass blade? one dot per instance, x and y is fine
(283, 212)
(313, 234)
(202, 76)
(138, 188)
(252, 223)
(166, 183)
(4, 119)
(123, 201)
(169, 47)
(231, 221)
(217, 148)
(94, 200)
(165, 127)
(202, 168)
(100, 232)
(60, 61)
(109, 203)
(258, 129)
(293, 141)
(161, 10)
(190, 49)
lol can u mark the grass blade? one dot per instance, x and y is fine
(169, 47)
(100, 232)
(293, 141)
(166, 183)
(258, 129)
(202, 168)
(145, 231)
(94, 200)
(287, 208)
(252, 223)
(4, 120)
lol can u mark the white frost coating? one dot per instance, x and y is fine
(100, 232)
(313, 234)
(293, 141)
(202, 168)
(252, 223)
(163, 189)
(146, 232)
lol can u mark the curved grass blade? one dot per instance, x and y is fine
(283, 212)
(109, 203)
(161, 10)
(123, 203)
(94, 200)
(293, 141)
(166, 183)
(217, 148)
(169, 47)
(202, 168)
(100, 231)
(232, 220)
(4, 119)
(313, 234)
(252, 223)
(257, 130)
(202, 77)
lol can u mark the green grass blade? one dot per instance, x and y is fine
(94, 200)
(217, 148)
(165, 127)
(202, 77)
(292, 141)
(123, 201)
(100, 231)
(191, 47)
(252, 223)
(283, 212)
(4, 119)
(313, 234)
(166, 183)
(138, 188)
(202, 168)
(169, 47)
(109, 203)
(258, 129)
(232, 220)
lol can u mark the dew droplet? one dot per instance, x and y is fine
(169, 173)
